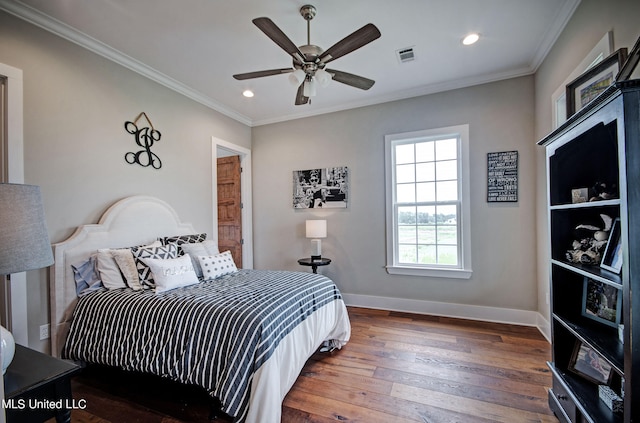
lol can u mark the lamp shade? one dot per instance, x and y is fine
(309, 89)
(323, 77)
(24, 240)
(316, 228)
(297, 77)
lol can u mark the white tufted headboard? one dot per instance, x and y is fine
(132, 221)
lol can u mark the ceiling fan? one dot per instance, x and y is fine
(309, 61)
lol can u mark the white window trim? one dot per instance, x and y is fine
(465, 272)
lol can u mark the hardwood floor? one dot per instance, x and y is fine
(397, 367)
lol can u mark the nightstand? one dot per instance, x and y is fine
(37, 387)
(314, 263)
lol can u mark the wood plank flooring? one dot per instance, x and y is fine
(398, 367)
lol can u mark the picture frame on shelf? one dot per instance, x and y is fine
(601, 302)
(630, 68)
(594, 81)
(590, 365)
(612, 257)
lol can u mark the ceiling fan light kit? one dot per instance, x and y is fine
(309, 61)
(297, 77)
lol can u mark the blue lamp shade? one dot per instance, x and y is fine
(24, 242)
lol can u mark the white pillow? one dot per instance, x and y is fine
(218, 265)
(171, 273)
(204, 248)
(109, 270)
(115, 269)
(127, 265)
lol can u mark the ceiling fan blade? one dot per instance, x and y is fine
(352, 42)
(300, 98)
(351, 79)
(272, 31)
(260, 74)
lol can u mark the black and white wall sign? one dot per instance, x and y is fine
(502, 177)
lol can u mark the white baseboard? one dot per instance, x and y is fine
(462, 311)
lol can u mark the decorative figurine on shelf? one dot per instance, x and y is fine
(590, 243)
(603, 191)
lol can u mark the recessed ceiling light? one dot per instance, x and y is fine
(470, 39)
(247, 93)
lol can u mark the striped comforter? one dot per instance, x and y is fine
(214, 334)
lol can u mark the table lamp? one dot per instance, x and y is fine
(24, 242)
(316, 229)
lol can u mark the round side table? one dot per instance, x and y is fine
(314, 263)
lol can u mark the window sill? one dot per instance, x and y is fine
(437, 273)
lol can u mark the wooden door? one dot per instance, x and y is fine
(230, 208)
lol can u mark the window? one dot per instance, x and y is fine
(428, 203)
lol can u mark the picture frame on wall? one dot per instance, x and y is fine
(602, 49)
(612, 257)
(502, 177)
(630, 68)
(582, 90)
(587, 363)
(601, 302)
(321, 188)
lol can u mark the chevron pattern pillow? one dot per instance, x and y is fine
(168, 251)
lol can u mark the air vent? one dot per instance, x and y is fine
(406, 54)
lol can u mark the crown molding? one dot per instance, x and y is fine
(556, 28)
(68, 33)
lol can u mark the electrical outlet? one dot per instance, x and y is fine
(44, 332)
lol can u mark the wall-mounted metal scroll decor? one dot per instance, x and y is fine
(145, 138)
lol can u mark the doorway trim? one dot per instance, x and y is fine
(245, 187)
(16, 291)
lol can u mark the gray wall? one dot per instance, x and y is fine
(75, 106)
(591, 21)
(500, 118)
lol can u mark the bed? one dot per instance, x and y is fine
(243, 335)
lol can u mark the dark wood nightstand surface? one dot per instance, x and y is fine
(39, 386)
(314, 263)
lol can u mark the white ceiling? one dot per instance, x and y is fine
(195, 46)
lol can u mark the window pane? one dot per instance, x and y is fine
(447, 191)
(426, 172)
(407, 253)
(404, 153)
(427, 254)
(426, 215)
(447, 234)
(447, 215)
(426, 191)
(405, 173)
(406, 215)
(406, 193)
(426, 234)
(446, 149)
(407, 234)
(425, 152)
(447, 255)
(447, 169)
